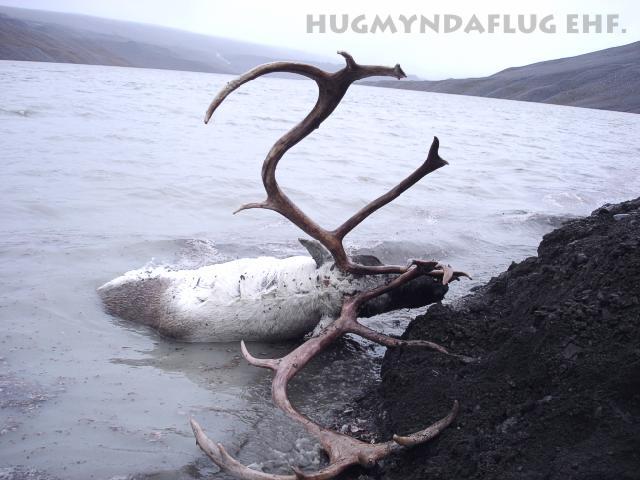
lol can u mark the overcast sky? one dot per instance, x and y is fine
(430, 55)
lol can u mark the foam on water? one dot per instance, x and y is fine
(105, 169)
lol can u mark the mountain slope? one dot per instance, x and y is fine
(42, 36)
(607, 79)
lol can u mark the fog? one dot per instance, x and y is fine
(431, 55)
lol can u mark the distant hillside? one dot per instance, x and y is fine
(607, 79)
(43, 36)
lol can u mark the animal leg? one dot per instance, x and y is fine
(324, 322)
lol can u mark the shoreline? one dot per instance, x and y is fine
(556, 392)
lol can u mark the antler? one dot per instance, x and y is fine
(331, 89)
(343, 451)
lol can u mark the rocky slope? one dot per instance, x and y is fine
(556, 392)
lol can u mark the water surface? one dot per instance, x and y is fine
(108, 169)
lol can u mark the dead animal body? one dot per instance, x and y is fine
(347, 287)
(263, 299)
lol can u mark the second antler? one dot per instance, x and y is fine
(342, 450)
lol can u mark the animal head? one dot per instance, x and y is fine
(419, 292)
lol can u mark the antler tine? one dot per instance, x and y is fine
(411, 272)
(448, 274)
(430, 432)
(393, 342)
(432, 163)
(323, 474)
(351, 63)
(275, 67)
(219, 456)
(258, 362)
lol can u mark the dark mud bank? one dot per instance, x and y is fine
(556, 393)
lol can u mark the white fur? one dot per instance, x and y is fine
(261, 299)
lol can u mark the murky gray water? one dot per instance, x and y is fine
(107, 169)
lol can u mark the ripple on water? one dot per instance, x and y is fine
(91, 192)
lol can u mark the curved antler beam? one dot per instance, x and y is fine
(309, 71)
(343, 451)
(331, 90)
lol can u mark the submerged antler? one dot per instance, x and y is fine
(342, 450)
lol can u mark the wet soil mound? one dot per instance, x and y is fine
(556, 392)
